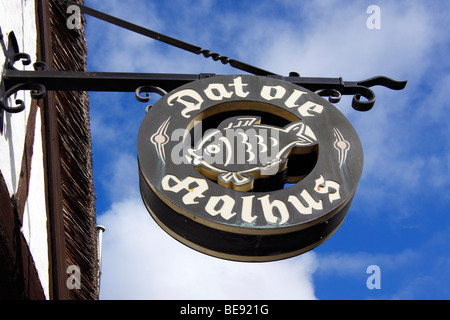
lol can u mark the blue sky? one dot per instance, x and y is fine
(399, 219)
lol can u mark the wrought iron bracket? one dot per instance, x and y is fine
(42, 80)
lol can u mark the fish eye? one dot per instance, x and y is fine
(212, 149)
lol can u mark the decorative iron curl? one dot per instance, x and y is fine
(26, 60)
(362, 89)
(40, 66)
(37, 91)
(362, 105)
(334, 96)
(148, 89)
(358, 89)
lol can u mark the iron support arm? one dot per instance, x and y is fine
(98, 81)
(39, 81)
(168, 40)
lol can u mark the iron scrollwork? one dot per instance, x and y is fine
(37, 90)
(334, 96)
(363, 88)
(359, 89)
(148, 89)
(147, 97)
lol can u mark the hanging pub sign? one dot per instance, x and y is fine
(247, 168)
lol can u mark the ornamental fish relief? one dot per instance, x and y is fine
(242, 148)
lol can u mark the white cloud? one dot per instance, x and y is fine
(335, 41)
(123, 178)
(140, 261)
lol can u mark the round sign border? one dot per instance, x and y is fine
(233, 229)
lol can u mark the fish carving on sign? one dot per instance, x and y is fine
(242, 149)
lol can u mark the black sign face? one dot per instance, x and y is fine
(247, 168)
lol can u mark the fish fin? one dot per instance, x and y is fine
(304, 135)
(239, 122)
(273, 167)
(236, 181)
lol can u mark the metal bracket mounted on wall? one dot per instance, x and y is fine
(41, 79)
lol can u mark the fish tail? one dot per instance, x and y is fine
(303, 133)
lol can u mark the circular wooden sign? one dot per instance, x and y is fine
(247, 168)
